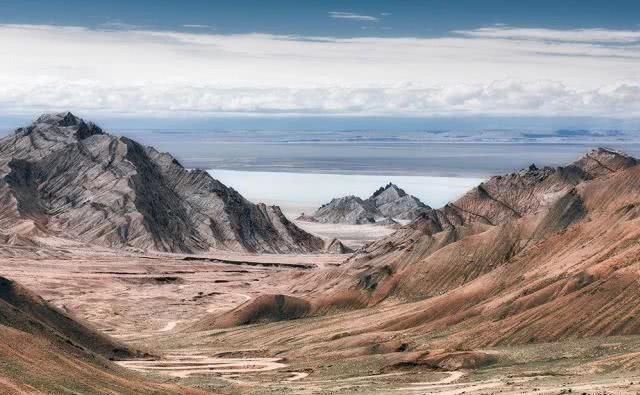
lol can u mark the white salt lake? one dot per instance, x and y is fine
(304, 192)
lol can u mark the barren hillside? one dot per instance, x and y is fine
(539, 255)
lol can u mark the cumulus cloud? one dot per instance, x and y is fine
(498, 98)
(352, 16)
(142, 71)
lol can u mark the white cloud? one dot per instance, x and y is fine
(119, 71)
(352, 16)
(497, 98)
(576, 35)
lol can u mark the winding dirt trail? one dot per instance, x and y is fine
(185, 365)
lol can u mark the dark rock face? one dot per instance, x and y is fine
(66, 177)
(386, 203)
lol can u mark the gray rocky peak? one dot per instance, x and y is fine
(347, 210)
(64, 177)
(387, 202)
(393, 202)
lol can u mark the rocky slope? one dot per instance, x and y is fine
(535, 256)
(501, 200)
(23, 310)
(386, 203)
(44, 350)
(64, 177)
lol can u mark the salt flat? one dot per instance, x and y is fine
(304, 192)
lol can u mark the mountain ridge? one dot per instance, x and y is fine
(492, 244)
(66, 177)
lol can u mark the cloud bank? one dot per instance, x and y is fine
(497, 70)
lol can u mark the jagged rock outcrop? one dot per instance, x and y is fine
(393, 202)
(306, 218)
(386, 204)
(388, 222)
(66, 177)
(347, 210)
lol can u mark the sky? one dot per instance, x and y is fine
(384, 59)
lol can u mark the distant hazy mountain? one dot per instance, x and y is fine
(387, 203)
(393, 202)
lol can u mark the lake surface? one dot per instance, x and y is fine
(300, 171)
(304, 192)
(369, 153)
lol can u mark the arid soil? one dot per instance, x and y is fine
(151, 301)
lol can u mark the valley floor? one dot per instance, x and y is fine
(151, 300)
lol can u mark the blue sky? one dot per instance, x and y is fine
(309, 59)
(423, 18)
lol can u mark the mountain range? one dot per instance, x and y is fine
(543, 254)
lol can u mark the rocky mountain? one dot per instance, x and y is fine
(393, 202)
(64, 177)
(497, 204)
(387, 203)
(539, 255)
(347, 210)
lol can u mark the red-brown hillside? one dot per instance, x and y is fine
(548, 254)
